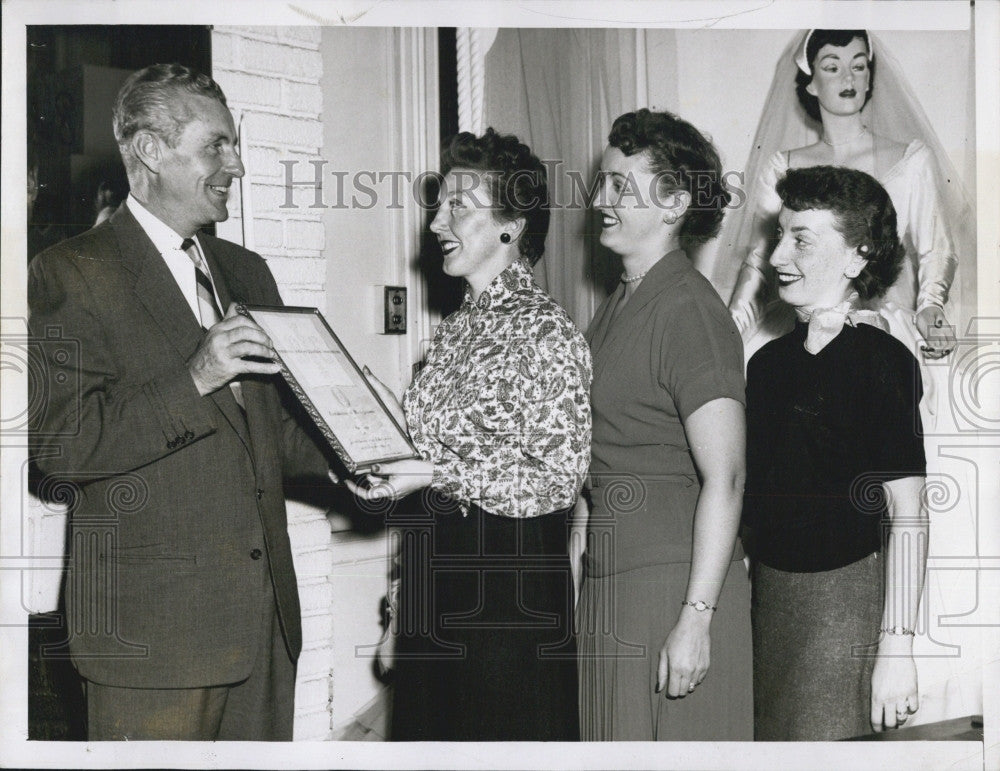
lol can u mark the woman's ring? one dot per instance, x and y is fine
(691, 688)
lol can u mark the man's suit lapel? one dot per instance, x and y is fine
(157, 291)
(155, 287)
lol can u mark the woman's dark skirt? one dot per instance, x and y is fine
(814, 638)
(485, 650)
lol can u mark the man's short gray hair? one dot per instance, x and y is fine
(147, 101)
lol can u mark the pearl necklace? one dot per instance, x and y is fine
(864, 130)
(626, 279)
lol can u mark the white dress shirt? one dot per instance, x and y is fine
(168, 244)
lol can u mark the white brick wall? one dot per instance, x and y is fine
(271, 76)
(300, 97)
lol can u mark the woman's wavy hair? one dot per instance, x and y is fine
(518, 182)
(864, 216)
(681, 158)
(833, 37)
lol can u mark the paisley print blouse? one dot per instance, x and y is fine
(502, 405)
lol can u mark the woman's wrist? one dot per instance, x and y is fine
(691, 614)
(896, 640)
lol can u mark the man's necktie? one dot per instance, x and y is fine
(209, 309)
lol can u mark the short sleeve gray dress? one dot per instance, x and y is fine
(671, 349)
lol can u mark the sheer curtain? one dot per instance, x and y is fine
(559, 90)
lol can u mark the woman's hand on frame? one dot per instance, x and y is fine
(393, 480)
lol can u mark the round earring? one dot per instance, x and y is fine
(670, 218)
(505, 237)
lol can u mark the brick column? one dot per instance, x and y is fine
(271, 76)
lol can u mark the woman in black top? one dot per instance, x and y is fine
(835, 464)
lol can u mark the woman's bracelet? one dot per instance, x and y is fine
(898, 631)
(698, 605)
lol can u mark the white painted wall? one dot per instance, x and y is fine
(357, 138)
(362, 252)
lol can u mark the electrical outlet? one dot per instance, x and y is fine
(394, 310)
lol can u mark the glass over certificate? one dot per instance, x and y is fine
(331, 387)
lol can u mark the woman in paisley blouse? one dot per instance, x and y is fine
(501, 415)
(657, 660)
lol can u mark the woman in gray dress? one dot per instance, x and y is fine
(663, 611)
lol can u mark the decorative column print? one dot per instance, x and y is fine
(471, 45)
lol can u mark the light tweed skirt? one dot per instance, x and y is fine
(813, 637)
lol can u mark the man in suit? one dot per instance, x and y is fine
(165, 418)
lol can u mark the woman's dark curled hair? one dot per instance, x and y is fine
(681, 158)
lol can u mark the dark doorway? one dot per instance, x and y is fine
(447, 81)
(444, 293)
(74, 73)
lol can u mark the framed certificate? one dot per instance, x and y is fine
(331, 387)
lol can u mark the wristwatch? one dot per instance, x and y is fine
(699, 605)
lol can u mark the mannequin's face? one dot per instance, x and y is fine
(840, 77)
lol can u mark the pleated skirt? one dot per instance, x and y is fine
(485, 650)
(623, 621)
(814, 636)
